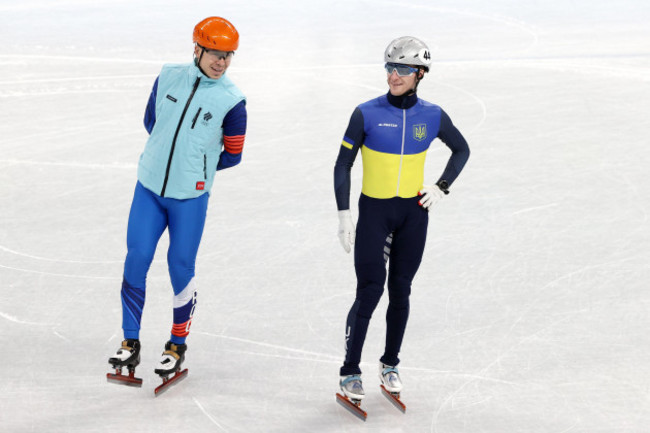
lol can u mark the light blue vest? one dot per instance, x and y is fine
(180, 158)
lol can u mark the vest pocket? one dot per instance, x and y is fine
(196, 116)
(201, 138)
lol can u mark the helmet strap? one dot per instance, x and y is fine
(418, 79)
(197, 61)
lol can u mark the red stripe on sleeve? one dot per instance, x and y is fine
(234, 144)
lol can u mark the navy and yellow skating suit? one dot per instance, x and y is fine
(394, 134)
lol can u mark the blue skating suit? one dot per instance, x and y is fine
(393, 134)
(197, 126)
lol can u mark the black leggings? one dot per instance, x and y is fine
(388, 229)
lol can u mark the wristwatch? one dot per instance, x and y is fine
(443, 185)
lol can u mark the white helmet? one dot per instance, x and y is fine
(408, 50)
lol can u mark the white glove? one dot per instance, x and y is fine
(346, 229)
(431, 194)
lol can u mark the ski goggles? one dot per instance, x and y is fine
(218, 55)
(402, 70)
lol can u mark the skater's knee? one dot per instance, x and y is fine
(141, 256)
(367, 298)
(181, 276)
(401, 303)
(181, 257)
(137, 265)
(399, 287)
(181, 269)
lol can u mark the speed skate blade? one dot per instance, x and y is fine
(169, 381)
(122, 379)
(393, 398)
(355, 409)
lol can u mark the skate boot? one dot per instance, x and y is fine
(389, 376)
(126, 356)
(172, 358)
(170, 363)
(353, 393)
(352, 387)
(391, 385)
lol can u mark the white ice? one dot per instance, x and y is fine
(530, 313)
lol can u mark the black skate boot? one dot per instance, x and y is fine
(170, 363)
(172, 358)
(126, 356)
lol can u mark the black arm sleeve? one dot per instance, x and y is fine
(352, 141)
(455, 141)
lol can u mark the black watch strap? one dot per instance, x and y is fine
(443, 185)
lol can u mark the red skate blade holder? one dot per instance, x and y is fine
(122, 379)
(169, 381)
(393, 398)
(354, 408)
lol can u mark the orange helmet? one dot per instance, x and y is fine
(216, 33)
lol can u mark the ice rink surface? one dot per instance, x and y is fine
(530, 313)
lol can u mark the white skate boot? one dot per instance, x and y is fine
(352, 387)
(389, 376)
(391, 385)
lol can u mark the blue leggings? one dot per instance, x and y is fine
(149, 217)
(388, 229)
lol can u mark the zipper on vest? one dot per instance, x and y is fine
(205, 166)
(178, 128)
(196, 116)
(401, 155)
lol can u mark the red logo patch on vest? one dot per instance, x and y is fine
(200, 185)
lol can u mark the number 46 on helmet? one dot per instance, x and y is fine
(407, 50)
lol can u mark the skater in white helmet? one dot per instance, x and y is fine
(393, 133)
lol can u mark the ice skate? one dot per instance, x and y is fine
(352, 394)
(170, 363)
(128, 355)
(352, 387)
(391, 385)
(390, 378)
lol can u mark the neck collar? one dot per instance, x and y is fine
(196, 71)
(402, 101)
